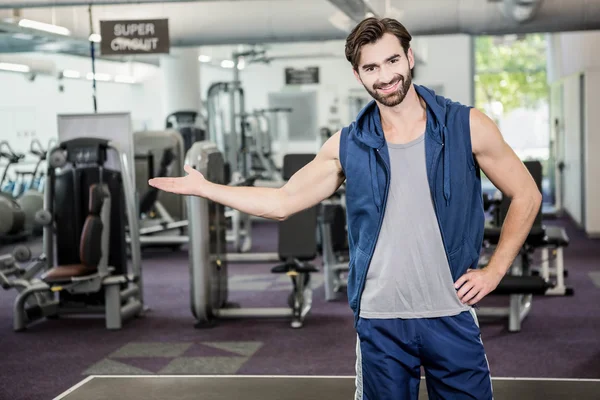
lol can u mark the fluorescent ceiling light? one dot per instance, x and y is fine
(41, 26)
(69, 73)
(227, 64)
(241, 64)
(14, 67)
(124, 79)
(99, 76)
(203, 58)
(95, 37)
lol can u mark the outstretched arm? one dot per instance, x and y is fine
(508, 173)
(315, 182)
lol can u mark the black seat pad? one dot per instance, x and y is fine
(557, 236)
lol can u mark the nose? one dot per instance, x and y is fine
(386, 74)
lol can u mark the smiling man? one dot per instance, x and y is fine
(412, 162)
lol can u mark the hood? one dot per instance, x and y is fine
(368, 130)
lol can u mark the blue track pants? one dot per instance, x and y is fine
(390, 353)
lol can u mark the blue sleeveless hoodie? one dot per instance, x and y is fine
(454, 181)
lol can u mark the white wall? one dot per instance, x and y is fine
(592, 147)
(447, 63)
(29, 108)
(574, 54)
(572, 148)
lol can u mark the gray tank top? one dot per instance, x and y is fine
(409, 275)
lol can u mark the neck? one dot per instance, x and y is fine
(405, 114)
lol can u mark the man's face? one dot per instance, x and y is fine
(384, 70)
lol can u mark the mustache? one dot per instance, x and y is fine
(393, 82)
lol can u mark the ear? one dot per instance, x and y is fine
(411, 58)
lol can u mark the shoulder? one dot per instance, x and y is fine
(331, 147)
(483, 130)
(480, 122)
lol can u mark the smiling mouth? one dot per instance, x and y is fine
(390, 88)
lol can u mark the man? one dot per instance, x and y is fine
(411, 162)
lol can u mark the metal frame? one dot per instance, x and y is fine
(208, 271)
(120, 305)
(519, 304)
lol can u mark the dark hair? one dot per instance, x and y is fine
(371, 30)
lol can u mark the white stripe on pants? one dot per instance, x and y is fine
(474, 314)
(359, 378)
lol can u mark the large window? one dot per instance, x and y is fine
(511, 88)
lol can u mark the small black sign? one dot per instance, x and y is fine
(305, 76)
(147, 36)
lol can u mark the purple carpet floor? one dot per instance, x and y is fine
(560, 338)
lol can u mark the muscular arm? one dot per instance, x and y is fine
(506, 171)
(315, 182)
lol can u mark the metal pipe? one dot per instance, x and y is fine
(48, 234)
(132, 217)
(129, 292)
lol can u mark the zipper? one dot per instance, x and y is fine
(372, 250)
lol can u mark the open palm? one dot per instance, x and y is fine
(190, 184)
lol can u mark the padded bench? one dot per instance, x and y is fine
(547, 239)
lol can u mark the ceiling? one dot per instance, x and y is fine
(228, 22)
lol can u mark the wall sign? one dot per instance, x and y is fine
(146, 36)
(304, 76)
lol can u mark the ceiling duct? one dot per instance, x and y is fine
(500, 17)
(356, 10)
(421, 17)
(519, 10)
(72, 3)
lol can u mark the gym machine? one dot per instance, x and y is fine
(266, 121)
(84, 267)
(209, 259)
(164, 221)
(334, 244)
(12, 216)
(163, 216)
(186, 123)
(228, 124)
(31, 198)
(21, 199)
(522, 282)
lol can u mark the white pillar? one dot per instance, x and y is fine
(181, 80)
(553, 58)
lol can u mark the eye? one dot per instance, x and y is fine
(394, 60)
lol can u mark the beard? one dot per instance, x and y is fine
(395, 98)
